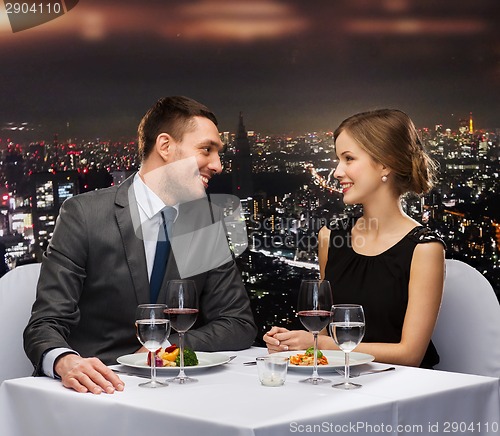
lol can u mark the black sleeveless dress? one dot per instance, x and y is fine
(379, 283)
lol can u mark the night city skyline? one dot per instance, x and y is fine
(289, 66)
(290, 199)
(83, 81)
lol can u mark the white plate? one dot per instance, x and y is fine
(205, 360)
(335, 359)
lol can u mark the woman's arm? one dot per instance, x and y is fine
(323, 243)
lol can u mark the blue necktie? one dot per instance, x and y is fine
(160, 262)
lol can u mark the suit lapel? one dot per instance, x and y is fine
(127, 217)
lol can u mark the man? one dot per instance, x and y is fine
(97, 267)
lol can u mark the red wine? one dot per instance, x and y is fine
(314, 320)
(182, 319)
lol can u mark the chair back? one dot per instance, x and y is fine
(17, 295)
(468, 326)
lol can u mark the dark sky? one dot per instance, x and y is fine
(289, 65)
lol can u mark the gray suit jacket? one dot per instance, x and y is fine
(94, 275)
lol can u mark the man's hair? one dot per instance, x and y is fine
(172, 115)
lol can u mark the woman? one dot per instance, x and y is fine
(385, 260)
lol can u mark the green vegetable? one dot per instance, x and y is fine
(190, 358)
(310, 352)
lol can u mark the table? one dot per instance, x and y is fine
(228, 400)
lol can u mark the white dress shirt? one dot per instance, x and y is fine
(150, 206)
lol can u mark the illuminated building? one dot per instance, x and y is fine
(49, 190)
(242, 164)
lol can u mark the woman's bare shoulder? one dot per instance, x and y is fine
(324, 233)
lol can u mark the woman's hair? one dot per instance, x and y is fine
(172, 115)
(389, 137)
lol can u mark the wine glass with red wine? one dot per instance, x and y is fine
(314, 311)
(182, 309)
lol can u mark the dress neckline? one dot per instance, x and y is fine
(413, 230)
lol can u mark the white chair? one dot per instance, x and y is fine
(468, 326)
(17, 294)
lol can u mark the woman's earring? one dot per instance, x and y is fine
(384, 179)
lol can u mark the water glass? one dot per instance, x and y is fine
(272, 370)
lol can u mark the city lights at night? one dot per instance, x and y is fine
(280, 76)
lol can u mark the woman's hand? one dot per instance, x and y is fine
(282, 339)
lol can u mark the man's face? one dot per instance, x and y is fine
(204, 145)
(192, 162)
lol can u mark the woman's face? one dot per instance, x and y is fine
(358, 174)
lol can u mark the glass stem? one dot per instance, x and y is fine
(153, 367)
(347, 367)
(315, 366)
(181, 347)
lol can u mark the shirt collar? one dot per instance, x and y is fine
(147, 200)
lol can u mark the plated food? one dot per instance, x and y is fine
(170, 357)
(335, 360)
(307, 358)
(205, 360)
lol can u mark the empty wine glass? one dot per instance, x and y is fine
(347, 329)
(314, 312)
(182, 309)
(152, 329)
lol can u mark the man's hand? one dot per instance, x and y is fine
(87, 375)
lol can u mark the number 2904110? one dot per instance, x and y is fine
(34, 8)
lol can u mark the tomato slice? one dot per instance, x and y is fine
(150, 353)
(171, 348)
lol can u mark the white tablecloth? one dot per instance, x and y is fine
(228, 400)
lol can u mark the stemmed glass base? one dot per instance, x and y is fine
(315, 380)
(153, 384)
(347, 386)
(182, 379)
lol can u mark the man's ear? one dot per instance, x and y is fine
(163, 146)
